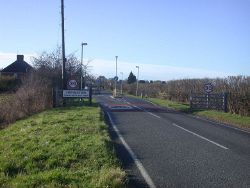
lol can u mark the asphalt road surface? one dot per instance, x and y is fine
(163, 148)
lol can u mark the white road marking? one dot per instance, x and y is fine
(200, 136)
(142, 109)
(137, 162)
(219, 145)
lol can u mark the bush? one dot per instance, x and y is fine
(238, 88)
(8, 83)
(33, 96)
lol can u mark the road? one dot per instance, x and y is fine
(159, 147)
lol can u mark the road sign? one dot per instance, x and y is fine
(72, 84)
(208, 88)
(116, 78)
(76, 93)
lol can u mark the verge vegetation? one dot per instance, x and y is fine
(237, 87)
(233, 119)
(62, 147)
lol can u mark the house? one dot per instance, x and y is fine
(18, 68)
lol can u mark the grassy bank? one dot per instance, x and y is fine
(63, 147)
(237, 120)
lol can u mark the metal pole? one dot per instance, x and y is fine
(115, 73)
(121, 82)
(137, 80)
(81, 65)
(83, 44)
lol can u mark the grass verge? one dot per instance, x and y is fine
(62, 147)
(236, 120)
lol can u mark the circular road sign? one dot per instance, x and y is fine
(208, 88)
(72, 83)
(116, 78)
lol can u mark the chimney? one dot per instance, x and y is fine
(20, 57)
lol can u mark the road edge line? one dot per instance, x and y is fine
(137, 162)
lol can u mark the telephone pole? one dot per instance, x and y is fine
(63, 49)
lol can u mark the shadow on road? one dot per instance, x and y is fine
(125, 159)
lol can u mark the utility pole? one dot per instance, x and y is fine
(63, 51)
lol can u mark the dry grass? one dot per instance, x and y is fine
(32, 97)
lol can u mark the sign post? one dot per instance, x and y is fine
(208, 88)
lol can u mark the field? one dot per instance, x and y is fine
(62, 147)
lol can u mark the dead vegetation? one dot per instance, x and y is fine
(238, 88)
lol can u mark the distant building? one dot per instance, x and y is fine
(18, 69)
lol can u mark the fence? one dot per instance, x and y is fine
(209, 101)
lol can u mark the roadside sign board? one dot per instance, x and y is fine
(76, 93)
(208, 88)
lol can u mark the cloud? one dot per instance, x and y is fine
(8, 58)
(151, 71)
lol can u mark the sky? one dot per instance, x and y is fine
(167, 39)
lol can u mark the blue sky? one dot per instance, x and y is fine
(167, 39)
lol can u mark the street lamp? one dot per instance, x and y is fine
(137, 80)
(115, 74)
(83, 44)
(121, 81)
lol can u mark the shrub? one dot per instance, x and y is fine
(8, 83)
(33, 96)
(238, 88)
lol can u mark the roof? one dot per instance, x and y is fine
(19, 66)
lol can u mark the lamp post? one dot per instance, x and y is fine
(83, 44)
(115, 73)
(137, 80)
(121, 81)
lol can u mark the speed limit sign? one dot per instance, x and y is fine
(208, 88)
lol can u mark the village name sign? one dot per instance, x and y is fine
(73, 90)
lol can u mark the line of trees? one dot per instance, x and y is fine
(238, 88)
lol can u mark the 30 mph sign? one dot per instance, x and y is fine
(208, 88)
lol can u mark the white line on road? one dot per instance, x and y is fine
(200, 136)
(137, 162)
(219, 145)
(142, 109)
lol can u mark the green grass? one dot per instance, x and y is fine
(170, 104)
(63, 147)
(234, 119)
(237, 120)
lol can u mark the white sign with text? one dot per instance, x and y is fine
(76, 93)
